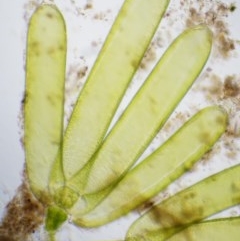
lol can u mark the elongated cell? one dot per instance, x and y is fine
(167, 163)
(43, 104)
(108, 80)
(213, 230)
(162, 91)
(170, 80)
(207, 197)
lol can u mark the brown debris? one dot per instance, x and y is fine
(231, 87)
(88, 5)
(82, 72)
(225, 44)
(148, 57)
(103, 16)
(214, 16)
(24, 214)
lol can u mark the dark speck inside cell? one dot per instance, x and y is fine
(49, 15)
